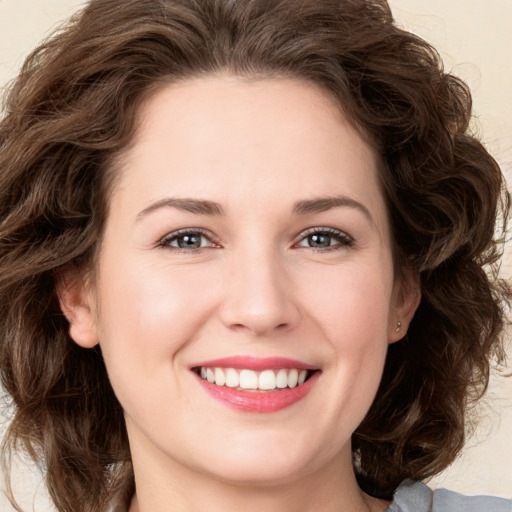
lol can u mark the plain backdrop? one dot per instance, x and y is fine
(475, 41)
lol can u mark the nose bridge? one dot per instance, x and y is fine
(257, 297)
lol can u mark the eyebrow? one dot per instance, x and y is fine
(323, 204)
(197, 206)
(211, 208)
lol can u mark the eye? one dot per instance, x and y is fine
(188, 240)
(325, 239)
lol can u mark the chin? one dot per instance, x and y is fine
(270, 472)
(264, 461)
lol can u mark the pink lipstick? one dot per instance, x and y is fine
(254, 363)
(259, 385)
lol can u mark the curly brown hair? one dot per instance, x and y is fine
(72, 110)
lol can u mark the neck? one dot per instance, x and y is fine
(367, 504)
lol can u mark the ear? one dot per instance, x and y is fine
(405, 302)
(78, 305)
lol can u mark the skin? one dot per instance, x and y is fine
(256, 287)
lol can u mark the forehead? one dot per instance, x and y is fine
(247, 142)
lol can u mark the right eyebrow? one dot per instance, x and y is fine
(197, 206)
(322, 204)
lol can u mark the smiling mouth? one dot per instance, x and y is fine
(251, 380)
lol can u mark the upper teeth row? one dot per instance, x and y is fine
(249, 379)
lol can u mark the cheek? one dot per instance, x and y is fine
(147, 314)
(352, 306)
(353, 318)
(147, 317)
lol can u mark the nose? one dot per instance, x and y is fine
(258, 294)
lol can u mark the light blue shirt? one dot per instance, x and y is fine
(414, 496)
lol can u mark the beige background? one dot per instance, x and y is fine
(474, 38)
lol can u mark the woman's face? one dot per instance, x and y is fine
(247, 243)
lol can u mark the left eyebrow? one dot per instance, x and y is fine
(323, 204)
(197, 206)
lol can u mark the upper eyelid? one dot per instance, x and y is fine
(186, 231)
(323, 229)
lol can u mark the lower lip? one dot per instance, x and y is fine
(260, 401)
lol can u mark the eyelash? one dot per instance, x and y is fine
(168, 239)
(344, 241)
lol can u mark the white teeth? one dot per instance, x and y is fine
(293, 378)
(220, 378)
(282, 379)
(232, 378)
(267, 380)
(248, 379)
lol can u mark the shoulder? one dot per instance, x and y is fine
(414, 496)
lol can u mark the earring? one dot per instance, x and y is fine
(398, 326)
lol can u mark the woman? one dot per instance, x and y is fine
(246, 253)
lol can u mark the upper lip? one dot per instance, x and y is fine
(254, 363)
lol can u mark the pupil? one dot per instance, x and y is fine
(319, 240)
(189, 242)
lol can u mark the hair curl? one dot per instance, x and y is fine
(73, 109)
